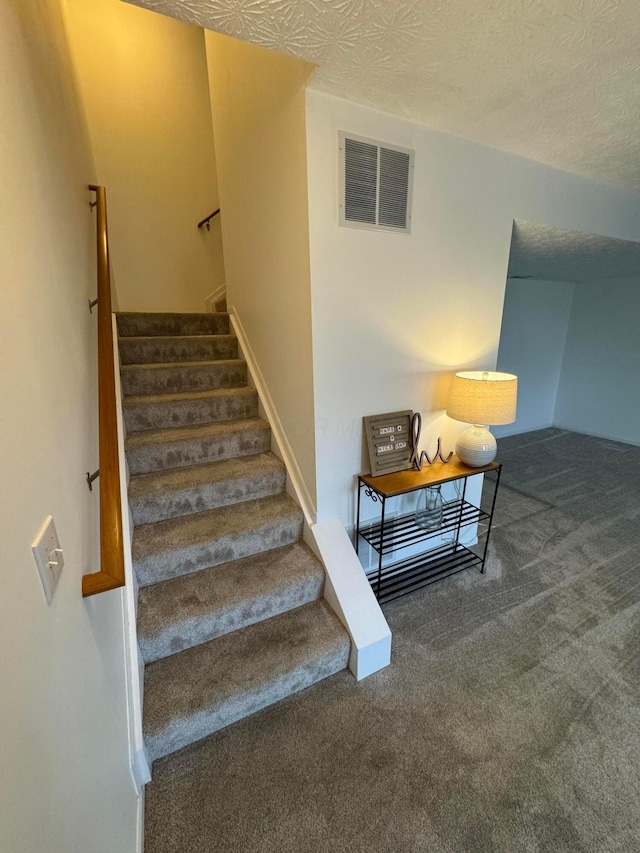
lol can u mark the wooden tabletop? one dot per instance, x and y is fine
(390, 485)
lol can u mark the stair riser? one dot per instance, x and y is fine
(179, 454)
(168, 504)
(193, 557)
(162, 350)
(181, 733)
(177, 413)
(145, 325)
(185, 635)
(182, 379)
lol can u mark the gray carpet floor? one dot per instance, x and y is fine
(509, 719)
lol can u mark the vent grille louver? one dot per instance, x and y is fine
(361, 177)
(375, 185)
(394, 188)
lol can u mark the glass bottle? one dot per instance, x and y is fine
(429, 509)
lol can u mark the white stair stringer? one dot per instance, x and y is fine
(213, 297)
(347, 589)
(139, 759)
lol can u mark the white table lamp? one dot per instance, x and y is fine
(481, 398)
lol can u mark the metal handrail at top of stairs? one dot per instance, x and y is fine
(207, 220)
(111, 574)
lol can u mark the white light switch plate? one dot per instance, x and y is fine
(48, 556)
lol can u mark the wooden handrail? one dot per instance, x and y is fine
(111, 574)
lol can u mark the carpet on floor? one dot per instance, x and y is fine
(509, 719)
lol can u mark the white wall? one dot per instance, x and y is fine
(598, 391)
(64, 764)
(258, 109)
(535, 321)
(144, 82)
(394, 316)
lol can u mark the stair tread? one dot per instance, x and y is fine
(179, 339)
(198, 691)
(148, 378)
(174, 396)
(195, 608)
(191, 530)
(207, 484)
(169, 410)
(183, 315)
(215, 429)
(164, 365)
(165, 448)
(176, 349)
(174, 479)
(145, 323)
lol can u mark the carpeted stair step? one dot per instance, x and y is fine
(221, 304)
(134, 324)
(162, 449)
(161, 411)
(167, 549)
(177, 348)
(181, 491)
(197, 692)
(140, 379)
(186, 611)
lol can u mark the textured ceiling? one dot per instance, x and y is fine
(554, 80)
(551, 254)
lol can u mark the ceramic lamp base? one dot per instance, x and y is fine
(476, 446)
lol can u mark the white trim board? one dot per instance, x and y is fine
(140, 825)
(138, 757)
(347, 589)
(212, 298)
(296, 486)
(349, 593)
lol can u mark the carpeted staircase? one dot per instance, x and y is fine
(230, 610)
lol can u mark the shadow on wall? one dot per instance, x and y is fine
(569, 330)
(145, 90)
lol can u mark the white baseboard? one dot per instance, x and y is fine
(296, 485)
(139, 762)
(141, 769)
(347, 589)
(507, 432)
(605, 437)
(140, 825)
(213, 297)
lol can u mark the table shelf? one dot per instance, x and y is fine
(391, 535)
(413, 573)
(402, 531)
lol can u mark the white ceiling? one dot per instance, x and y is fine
(552, 254)
(557, 81)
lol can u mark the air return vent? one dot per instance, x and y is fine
(375, 184)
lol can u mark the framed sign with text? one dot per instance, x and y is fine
(389, 442)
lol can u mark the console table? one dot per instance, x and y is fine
(401, 532)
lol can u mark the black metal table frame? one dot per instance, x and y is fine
(419, 570)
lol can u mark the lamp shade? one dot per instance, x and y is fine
(483, 397)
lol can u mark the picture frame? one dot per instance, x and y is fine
(389, 441)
